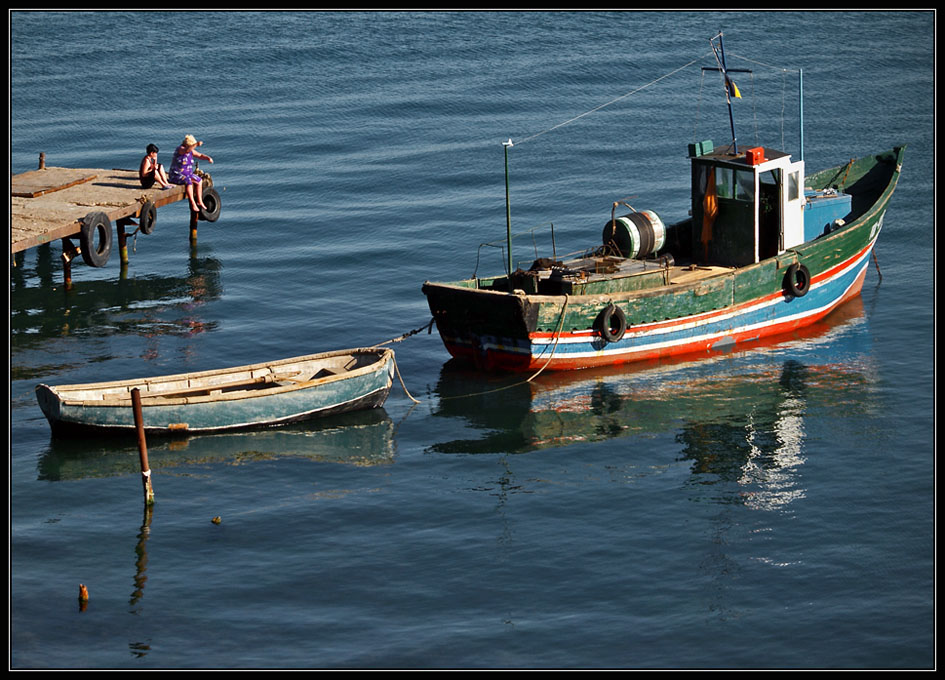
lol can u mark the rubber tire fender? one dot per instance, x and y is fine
(607, 315)
(147, 217)
(95, 251)
(211, 199)
(797, 280)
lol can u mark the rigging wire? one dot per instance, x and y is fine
(612, 101)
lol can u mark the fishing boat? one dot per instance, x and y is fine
(766, 249)
(241, 397)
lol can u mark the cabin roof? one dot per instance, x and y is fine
(725, 155)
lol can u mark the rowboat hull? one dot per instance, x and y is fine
(244, 397)
(673, 310)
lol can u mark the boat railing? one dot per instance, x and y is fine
(502, 244)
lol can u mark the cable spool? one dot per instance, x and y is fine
(636, 235)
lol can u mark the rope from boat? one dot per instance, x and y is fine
(613, 101)
(428, 326)
(400, 338)
(554, 348)
(401, 378)
(876, 262)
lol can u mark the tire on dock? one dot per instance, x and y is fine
(147, 217)
(211, 199)
(95, 239)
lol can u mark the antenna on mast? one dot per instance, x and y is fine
(730, 88)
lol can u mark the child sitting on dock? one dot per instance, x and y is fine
(150, 170)
(183, 171)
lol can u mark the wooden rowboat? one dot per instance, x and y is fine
(259, 395)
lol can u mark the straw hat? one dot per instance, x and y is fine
(190, 140)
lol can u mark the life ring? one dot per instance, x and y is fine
(95, 238)
(147, 217)
(211, 199)
(797, 280)
(608, 331)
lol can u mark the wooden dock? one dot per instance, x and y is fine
(53, 203)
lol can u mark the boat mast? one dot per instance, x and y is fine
(726, 81)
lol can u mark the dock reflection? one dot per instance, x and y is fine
(110, 306)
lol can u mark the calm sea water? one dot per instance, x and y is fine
(767, 508)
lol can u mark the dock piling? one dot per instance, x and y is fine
(122, 241)
(69, 253)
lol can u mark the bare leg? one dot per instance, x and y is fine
(190, 196)
(200, 194)
(162, 177)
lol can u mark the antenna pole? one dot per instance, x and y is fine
(800, 86)
(508, 210)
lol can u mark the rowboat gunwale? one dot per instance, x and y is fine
(267, 403)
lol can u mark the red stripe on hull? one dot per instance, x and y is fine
(505, 360)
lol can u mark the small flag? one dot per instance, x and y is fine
(732, 88)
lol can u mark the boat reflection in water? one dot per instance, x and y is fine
(738, 416)
(356, 438)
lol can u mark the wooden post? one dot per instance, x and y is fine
(122, 242)
(69, 251)
(42, 160)
(142, 447)
(194, 216)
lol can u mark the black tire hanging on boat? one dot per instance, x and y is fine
(797, 280)
(95, 239)
(608, 331)
(147, 217)
(211, 199)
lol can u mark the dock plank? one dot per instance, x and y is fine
(38, 182)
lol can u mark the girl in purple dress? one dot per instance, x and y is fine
(182, 171)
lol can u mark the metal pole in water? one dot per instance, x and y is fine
(508, 210)
(142, 447)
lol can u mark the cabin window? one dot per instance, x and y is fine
(737, 184)
(793, 185)
(744, 186)
(724, 183)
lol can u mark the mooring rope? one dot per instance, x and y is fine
(400, 338)
(428, 326)
(554, 348)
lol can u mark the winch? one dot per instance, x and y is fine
(636, 235)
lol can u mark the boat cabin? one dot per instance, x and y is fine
(751, 205)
